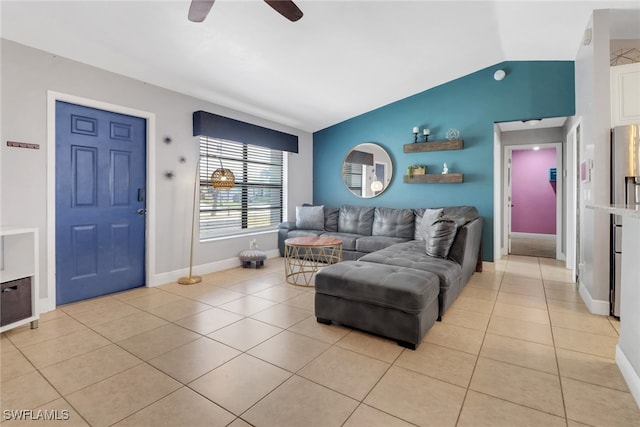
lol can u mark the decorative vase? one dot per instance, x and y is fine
(453, 134)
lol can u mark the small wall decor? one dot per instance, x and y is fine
(23, 145)
(167, 140)
(625, 56)
(182, 159)
(169, 175)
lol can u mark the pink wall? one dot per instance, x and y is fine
(533, 196)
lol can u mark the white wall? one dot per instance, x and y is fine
(593, 107)
(27, 76)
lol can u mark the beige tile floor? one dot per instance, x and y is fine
(517, 348)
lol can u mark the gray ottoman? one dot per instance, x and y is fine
(396, 302)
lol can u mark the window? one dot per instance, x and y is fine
(352, 173)
(256, 200)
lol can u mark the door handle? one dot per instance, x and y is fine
(141, 211)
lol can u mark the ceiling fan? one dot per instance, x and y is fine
(199, 9)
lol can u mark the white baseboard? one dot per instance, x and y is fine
(488, 266)
(595, 306)
(225, 264)
(630, 375)
(43, 305)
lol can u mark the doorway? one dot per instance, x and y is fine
(100, 202)
(533, 193)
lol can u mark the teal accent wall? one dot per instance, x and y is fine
(471, 104)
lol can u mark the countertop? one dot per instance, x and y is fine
(624, 210)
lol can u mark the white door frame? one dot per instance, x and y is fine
(506, 214)
(150, 251)
(572, 197)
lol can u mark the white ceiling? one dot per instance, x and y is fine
(343, 58)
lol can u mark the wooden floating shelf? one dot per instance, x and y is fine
(434, 178)
(418, 147)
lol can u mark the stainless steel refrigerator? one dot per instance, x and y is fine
(625, 190)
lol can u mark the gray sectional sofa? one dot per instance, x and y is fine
(395, 288)
(365, 230)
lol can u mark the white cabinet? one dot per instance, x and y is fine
(19, 260)
(625, 94)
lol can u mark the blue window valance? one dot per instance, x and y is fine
(215, 126)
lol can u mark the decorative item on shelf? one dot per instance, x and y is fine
(416, 129)
(416, 170)
(426, 134)
(453, 134)
(445, 169)
(420, 169)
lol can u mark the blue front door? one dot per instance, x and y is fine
(100, 202)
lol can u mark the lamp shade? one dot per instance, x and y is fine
(223, 179)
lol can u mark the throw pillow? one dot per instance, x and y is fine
(331, 219)
(440, 237)
(310, 217)
(428, 217)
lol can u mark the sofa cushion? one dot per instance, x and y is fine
(304, 233)
(356, 220)
(412, 254)
(393, 223)
(400, 288)
(424, 221)
(348, 239)
(440, 237)
(331, 219)
(310, 217)
(370, 244)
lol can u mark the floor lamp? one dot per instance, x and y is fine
(221, 179)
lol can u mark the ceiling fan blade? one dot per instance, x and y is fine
(286, 8)
(199, 9)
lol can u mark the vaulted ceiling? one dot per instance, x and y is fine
(343, 58)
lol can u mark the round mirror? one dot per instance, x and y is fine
(367, 170)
